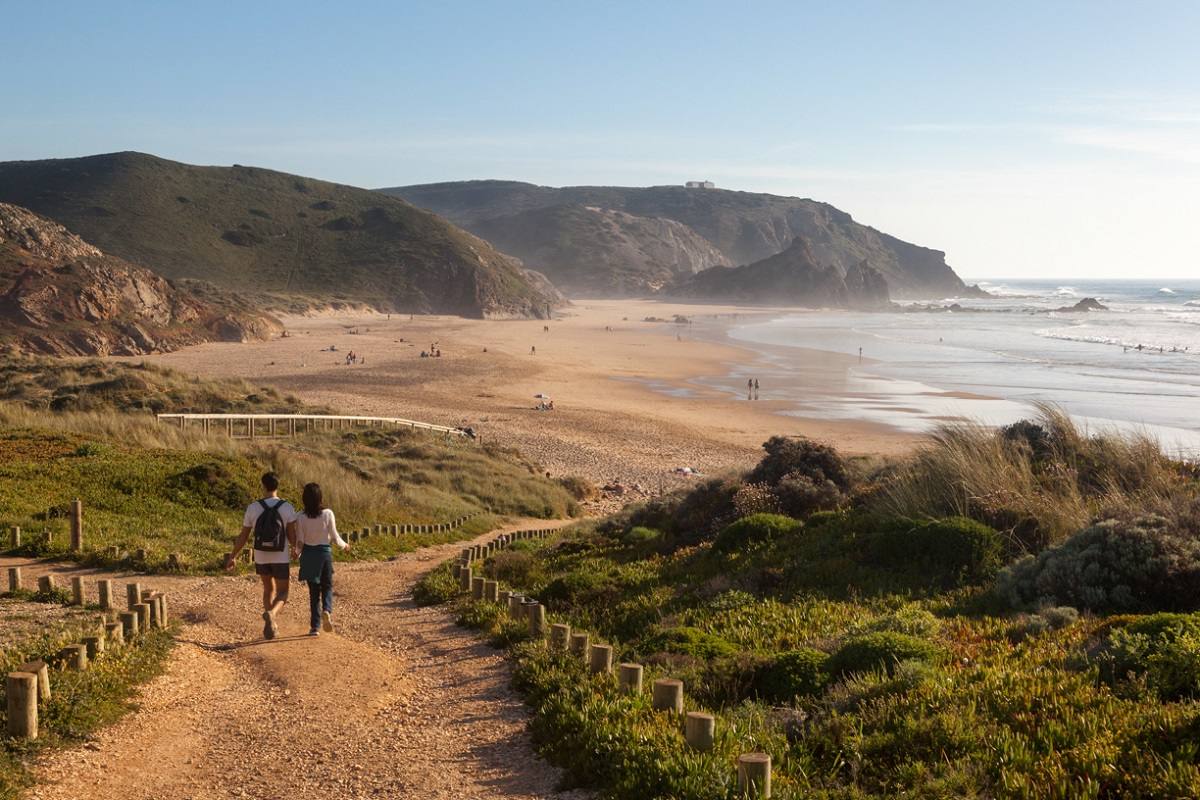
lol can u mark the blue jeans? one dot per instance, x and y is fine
(319, 576)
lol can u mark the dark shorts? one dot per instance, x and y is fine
(276, 571)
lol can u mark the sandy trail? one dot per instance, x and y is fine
(398, 702)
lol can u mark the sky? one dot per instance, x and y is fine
(1024, 139)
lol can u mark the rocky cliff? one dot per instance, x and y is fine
(591, 251)
(793, 277)
(266, 233)
(60, 295)
(744, 226)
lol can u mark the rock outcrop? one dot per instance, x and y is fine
(793, 277)
(1086, 304)
(60, 295)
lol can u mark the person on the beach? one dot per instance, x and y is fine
(749, 388)
(756, 388)
(273, 523)
(533, 350)
(316, 532)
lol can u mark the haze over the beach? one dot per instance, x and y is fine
(1008, 136)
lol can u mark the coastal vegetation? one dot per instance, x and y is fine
(85, 431)
(883, 629)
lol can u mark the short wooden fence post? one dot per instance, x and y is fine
(42, 670)
(77, 590)
(133, 594)
(537, 618)
(143, 615)
(14, 537)
(667, 695)
(560, 635)
(21, 690)
(579, 644)
(129, 625)
(74, 657)
(629, 678)
(46, 584)
(491, 591)
(754, 775)
(464, 579)
(95, 646)
(104, 589)
(515, 603)
(116, 632)
(14, 579)
(477, 588)
(699, 730)
(155, 611)
(77, 526)
(162, 610)
(600, 658)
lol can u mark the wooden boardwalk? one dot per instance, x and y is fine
(251, 426)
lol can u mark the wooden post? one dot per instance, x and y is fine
(129, 625)
(14, 579)
(162, 610)
(560, 635)
(116, 633)
(456, 570)
(579, 644)
(74, 657)
(42, 670)
(699, 730)
(133, 594)
(477, 588)
(464, 579)
(22, 692)
(754, 775)
(600, 658)
(155, 619)
(77, 590)
(46, 584)
(515, 605)
(104, 589)
(629, 678)
(174, 561)
(77, 526)
(143, 615)
(537, 618)
(15, 537)
(141, 555)
(114, 553)
(94, 645)
(491, 591)
(667, 695)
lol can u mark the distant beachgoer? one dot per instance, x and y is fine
(860, 355)
(274, 527)
(546, 328)
(316, 532)
(749, 388)
(756, 388)
(533, 351)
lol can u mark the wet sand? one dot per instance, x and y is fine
(633, 399)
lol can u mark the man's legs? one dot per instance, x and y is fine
(281, 596)
(275, 596)
(268, 591)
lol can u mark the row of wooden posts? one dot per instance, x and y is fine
(699, 728)
(175, 560)
(29, 684)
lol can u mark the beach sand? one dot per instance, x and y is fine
(630, 405)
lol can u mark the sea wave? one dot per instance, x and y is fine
(1166, 290)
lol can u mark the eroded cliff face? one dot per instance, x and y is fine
(793, 277)
(588, 250)
(60, 295)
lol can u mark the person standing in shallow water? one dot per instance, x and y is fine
(316, 533)
(756, 388)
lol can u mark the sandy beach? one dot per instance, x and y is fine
(630, 401)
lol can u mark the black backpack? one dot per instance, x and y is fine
(269, 531)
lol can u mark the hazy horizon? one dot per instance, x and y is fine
(1023, 141)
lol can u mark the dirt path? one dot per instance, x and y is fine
(397, 703)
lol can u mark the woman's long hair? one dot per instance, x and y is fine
(313, 505)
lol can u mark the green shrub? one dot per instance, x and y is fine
(481, 615)
(753, 530)
(755, 498)
(793, 674)
(514, 567)
(641, 535)
(579, 487)
(881, 650)
(1143, 564)
(1162, 649)
(797, 456)
(910, 620)
(950, 552)
(688, 641)
(800, 495)
(436, 587)
(211, 484)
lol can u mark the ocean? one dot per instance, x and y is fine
(1136, 365)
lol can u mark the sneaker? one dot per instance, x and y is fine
(314, 632)
(268, 625)
(327, 621)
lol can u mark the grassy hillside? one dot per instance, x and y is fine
(745, 226)
(85, 431)
(1045, 643)
(259, 231)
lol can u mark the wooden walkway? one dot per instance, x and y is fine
(250, 426)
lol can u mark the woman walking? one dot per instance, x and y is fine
(316, 532)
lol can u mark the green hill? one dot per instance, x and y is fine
(744, 226)
(256, 230)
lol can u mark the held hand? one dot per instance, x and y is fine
(229, 562)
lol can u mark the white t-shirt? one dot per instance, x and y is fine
(321, 529)
(286, 513)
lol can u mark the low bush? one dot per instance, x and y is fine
(1138, 565)
(436, 587)
(753, 530)
(950, 552)
(688, 641)
(1162, 649)
(579, 487)
(796, 456)
(796, 673)
(882, 650)
(513, 567)
(800, 495)
(641, 535)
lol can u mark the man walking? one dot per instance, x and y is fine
(273, 522)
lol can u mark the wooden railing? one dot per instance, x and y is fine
(250, 426)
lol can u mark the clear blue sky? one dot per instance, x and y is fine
(1038, 139)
